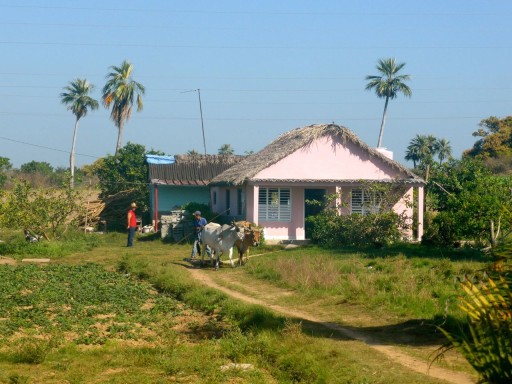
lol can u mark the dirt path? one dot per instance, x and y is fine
(391, 352)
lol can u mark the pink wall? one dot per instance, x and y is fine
(328, 160)
(293, 230)
(323, 160)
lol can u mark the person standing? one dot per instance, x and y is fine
(132, 224)
(198, 222)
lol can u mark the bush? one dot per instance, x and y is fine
(332, 230)
(31, 351)
(205, 210)
(441, 231)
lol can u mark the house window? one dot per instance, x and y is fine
(365, 202)
(214, 198)
(228, 202)
(239, 201)
(274, 204)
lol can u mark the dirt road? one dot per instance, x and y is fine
(393, 353)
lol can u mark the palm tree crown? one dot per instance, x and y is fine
(226, 149)
(422, 149)
(388, 85)
(76, 97)
(120, 92)
(443, 149)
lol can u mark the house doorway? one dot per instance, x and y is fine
(314, 202)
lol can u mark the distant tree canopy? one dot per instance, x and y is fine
(41, 167)
(496, 138)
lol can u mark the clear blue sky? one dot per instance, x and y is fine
(263, 68)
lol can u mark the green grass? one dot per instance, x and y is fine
(80, 321)
(14, 245)
(416, 284)
(85, 301)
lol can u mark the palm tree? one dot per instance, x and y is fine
(423, 148)
(226, 149)
(388, 85)
(76, 97)
(443, 150)
(120, 91)
(412, 154)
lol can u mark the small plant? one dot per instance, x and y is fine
(31, 351)
(487, 341)
(18, 379)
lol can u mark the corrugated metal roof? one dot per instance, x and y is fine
(191, 170)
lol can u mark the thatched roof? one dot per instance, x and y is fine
(191, 170)
(293, 140)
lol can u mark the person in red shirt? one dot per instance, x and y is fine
(132, 224)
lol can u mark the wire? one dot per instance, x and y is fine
(280, 47)
(45, 147)
(145, 117)
(283, 12)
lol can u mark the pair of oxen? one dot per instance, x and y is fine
(223, 238)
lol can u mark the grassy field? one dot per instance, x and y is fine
(103, 313)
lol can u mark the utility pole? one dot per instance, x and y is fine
(201, 113)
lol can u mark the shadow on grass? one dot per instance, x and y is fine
(414, 251)
(414, 333)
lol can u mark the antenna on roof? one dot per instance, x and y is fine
(201, 112)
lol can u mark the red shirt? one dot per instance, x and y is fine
(132, 218)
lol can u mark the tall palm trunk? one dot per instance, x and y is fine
(119, 137)
(72, 157)
(383, 122)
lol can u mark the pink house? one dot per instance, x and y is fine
(271, 187)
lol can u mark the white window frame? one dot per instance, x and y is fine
(365, 202)
(275, 204)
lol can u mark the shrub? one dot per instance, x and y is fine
(205, 210)
(332, 230)
(441, 231)
(31, 351)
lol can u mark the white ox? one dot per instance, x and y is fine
(220, 239)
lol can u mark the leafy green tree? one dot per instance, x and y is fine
(127, 171)
(388, 84)
(476, 202)
(5, 167)
(120, 92)
(226, 149)
(123, 179)
(76, 98)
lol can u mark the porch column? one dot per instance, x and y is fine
(251, 201)
(420, 212)
(338, 200)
